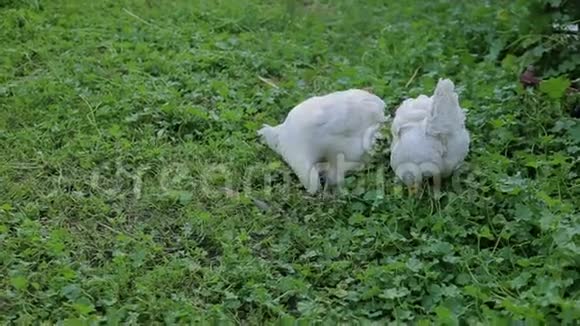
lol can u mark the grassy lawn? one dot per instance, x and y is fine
(133, 188)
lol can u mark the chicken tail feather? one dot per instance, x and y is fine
(446, 116)
(270, 136)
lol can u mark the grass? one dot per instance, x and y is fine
(133, 188)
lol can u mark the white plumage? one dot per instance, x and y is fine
(429, 136)
(337, 129)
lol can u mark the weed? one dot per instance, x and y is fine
(130, 168)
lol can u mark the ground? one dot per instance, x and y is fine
(133, 187)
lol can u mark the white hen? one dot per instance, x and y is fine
(429, 136)
(337, 129)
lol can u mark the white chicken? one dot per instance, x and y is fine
(429, 137)
(337, 129)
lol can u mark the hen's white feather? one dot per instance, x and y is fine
(429, 135)
(337, 129)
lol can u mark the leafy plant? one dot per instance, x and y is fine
(133, 189)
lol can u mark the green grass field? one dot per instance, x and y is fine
(133, 187)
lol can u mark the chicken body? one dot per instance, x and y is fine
(429, 136)
(337, 129)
